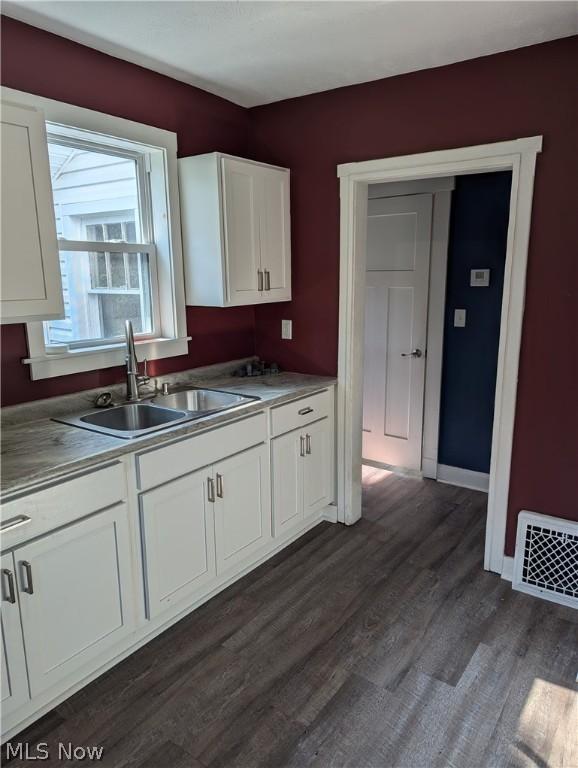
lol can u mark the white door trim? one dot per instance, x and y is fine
(518, 156)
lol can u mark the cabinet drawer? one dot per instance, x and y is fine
(158, 466)
(299, 412)
(60, 504)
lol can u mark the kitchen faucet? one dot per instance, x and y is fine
(133, 378)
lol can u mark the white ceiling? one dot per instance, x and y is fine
(258, 52)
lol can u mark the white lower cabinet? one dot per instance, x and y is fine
(302, 470)
(13, 671)
(242, 506)
(287, 471)
(75, 596)
(317, 467)
(178, 541)
(202, 525)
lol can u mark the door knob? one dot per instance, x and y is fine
(413, 353)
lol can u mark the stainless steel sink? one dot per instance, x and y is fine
(129, 420)
(202, 400)
(135, 419)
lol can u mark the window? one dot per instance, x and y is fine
(116, 209)
(107, 257)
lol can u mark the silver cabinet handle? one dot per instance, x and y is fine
(413, 353)
(210, 489)
(302, 446)
(29, 588)
(305, 411)
(267, 280)
(307, 443)
(259, 279)
(219, 485)
(9, 576)
(14, 522)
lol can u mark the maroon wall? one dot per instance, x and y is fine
(48, 65)
(520, 93)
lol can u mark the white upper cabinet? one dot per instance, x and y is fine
(236, 231)
(30, 270)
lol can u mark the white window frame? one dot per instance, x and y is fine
(160, 148)
(141, 156)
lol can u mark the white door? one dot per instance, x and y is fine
(241, 203)
(178, 541)
(242, 507)
(31, 285)
(275, 240)
(396, 296)
(13, 677)
(317, 474)
(287, 453)
(75, 598)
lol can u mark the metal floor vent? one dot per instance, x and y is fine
(546, 560)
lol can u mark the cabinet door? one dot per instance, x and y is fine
(275, 235)
(14, 680)
(178, 542)
(242, 507)
(241, 232)
(75, 598)
(30, 271)
(287, 478)
(317, 467)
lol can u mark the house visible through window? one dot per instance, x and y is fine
(107, 255)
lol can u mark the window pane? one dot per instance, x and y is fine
(133, 270)
(117, 271)
(97, 299)
(95, 194)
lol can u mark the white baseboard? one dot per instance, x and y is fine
(466, 478)
(508, 568)
(429, 468)
(330, 513)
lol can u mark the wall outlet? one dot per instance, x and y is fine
(459, 318)
(286, 329)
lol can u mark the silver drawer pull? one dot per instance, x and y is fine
(305, 411)
(302, 446)
(307, 443)
(211, 489)
(219, 485)
(267, 280)
(259, 279)
(9, 576)
(14, 522)
(29, 588)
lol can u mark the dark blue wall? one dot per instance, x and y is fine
(478, 231)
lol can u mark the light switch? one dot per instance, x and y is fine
(286, 329)
(459, 318)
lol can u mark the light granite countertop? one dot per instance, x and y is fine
(37, 450)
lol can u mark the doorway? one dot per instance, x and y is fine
(434, 275)
(519, 157)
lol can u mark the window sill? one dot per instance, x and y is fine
(95, 358)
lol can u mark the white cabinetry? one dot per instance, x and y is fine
(75, 597)
(30, 272)
(178, 541)
(236, 231)
(13, 671)
(301, 461)
(242, 507)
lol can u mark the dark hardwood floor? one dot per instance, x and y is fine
(381, 645)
